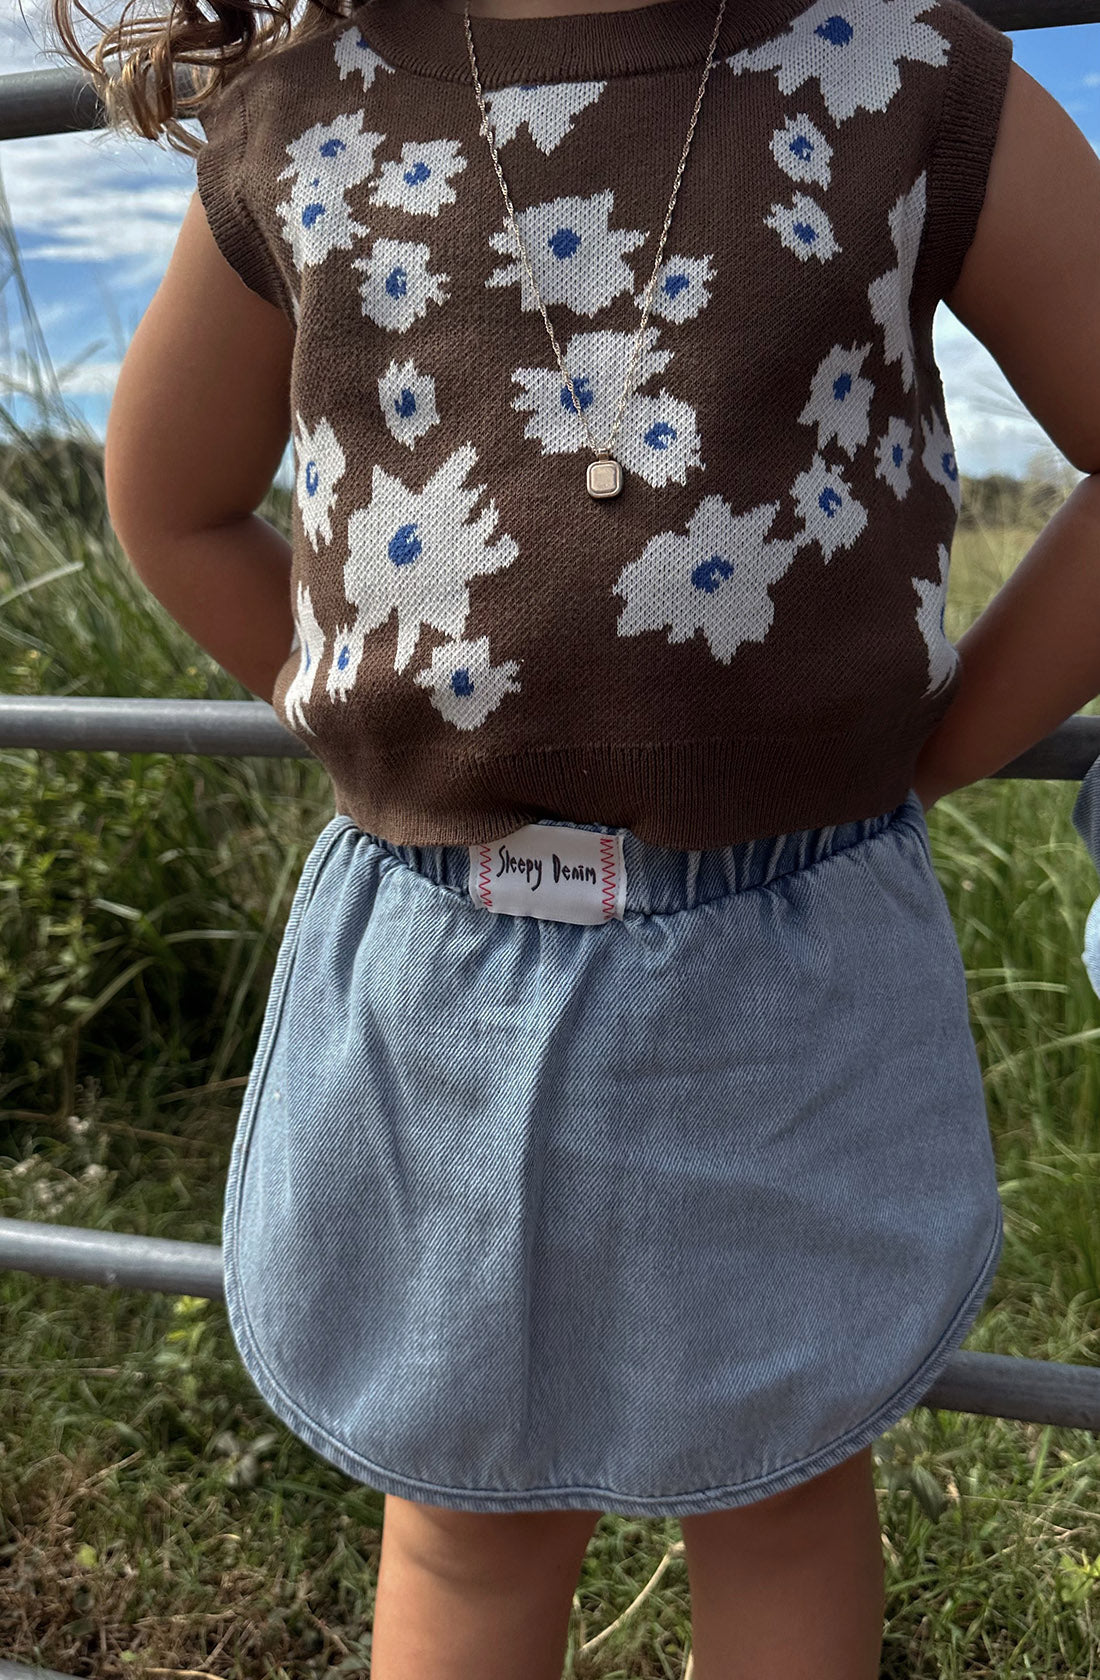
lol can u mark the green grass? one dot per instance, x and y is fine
(154, 1518)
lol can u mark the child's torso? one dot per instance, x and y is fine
(750, 637)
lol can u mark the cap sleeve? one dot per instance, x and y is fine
(970, 114)
(221, 171)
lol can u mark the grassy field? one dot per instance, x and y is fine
(155, 1520)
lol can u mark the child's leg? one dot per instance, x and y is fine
(467, 1595)
(791, 1588)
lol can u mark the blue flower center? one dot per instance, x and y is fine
(842, 386)
(898, 454)
(805, 232)
(305, 667)
(313, 478)
(332, 148)
(949, 466)
(836, 30)
(710, 573)
(405, 404)
(460, 682)
(397, 282)
(419, 172)
(564, 242)
(311, 213)
(583, 391)
(802, 146)
(829, 501)
(660, 435)
(404, 545)
(675, 283)
(345, 655)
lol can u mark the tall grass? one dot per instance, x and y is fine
(154, 1518)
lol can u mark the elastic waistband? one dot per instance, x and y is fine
(660, 880)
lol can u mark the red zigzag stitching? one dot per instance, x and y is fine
(607, 849)
(485, 891)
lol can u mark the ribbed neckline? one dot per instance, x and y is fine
(428, 40)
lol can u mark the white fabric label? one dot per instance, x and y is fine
(556, 873)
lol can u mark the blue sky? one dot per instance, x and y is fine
(96, 217)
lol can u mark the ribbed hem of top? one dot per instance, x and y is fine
(427, 39)
(689, 795)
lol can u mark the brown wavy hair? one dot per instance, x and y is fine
(143, 97)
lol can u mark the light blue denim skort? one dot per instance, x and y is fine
(649, 1217)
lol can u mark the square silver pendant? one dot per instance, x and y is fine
(605, 477)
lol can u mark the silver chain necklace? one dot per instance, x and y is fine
(605, 473)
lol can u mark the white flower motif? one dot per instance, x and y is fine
(830, 513)
(938, 458)
(840, 399)
(576, 257)
(658, 439)
(680, 290)
(714, 579)
(889, 294)
(414, 552)
(312, 650)
(597, 363)
(408, 401)
(347, 654)
(420, 182)
(548, 110)
(465, 686)
(852, 47)
(942, 655)
(804, 228)
(893, 453)
(321, 465)
(328, 159)
(802, 150)
(353, 53)
(397, 287)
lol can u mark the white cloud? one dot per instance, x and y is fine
(97, 198)
(90, 379)
(991, 429)
(20, 49)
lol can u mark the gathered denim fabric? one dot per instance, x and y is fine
(1086, 820)
(650, 1217)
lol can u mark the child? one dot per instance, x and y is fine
(616, 1138)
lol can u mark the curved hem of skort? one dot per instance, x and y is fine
(608, 1500)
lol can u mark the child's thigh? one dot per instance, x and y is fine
(797, 1515)
(470, 1546)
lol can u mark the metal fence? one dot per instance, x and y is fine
(1036, 1391)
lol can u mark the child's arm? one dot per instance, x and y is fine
(1029, 289)
(197, 428)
